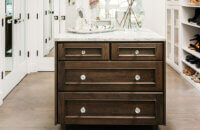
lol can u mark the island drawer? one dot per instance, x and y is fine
(110, 76)
(137, 51)
(111, 108)
(83, 51)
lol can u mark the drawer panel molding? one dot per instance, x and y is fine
(136, 108)
(137, 51)
(110, 76)
(83, 51)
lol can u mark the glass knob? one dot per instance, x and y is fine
(83, 110)
(137, 77)
(137, 110)
(83, 52)
(83, 77)
(137, 52)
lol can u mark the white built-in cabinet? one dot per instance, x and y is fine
(2, 39)
(173, 36)
(28, 45)
(12, 68)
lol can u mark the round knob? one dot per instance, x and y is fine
(137, 77)
(83, 52)
(137, 52)
(83, 110)
(137, 110)
(83, 77)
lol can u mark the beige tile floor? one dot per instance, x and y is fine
(30, 106)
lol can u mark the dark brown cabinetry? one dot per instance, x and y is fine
(110, 83)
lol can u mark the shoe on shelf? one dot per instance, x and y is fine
(192, 59)
(198, 64)
(197, 47)
(196, 39)
(188, 71)
(192, 2)
(185, 71)
(194, 76)
(196, 16)
(197, 79)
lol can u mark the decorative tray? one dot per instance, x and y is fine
(90, 32)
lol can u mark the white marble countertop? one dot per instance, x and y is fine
(141, 35)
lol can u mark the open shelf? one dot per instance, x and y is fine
(193, 66)
(191, 24)
(190, 6)
(193, 52)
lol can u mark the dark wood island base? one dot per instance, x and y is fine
(110, 83)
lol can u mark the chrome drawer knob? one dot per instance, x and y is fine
(137, 77)
(137, 110)
(83, 52)
(83, 77)
(137, 52)
(83, 110)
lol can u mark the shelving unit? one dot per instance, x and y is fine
(188, 32)
(179, 33)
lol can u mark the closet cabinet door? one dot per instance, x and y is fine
(2, 39)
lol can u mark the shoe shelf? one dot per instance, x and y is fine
(188, 30)
(190, 6)
(193, 52)
(191, 66)
(190, 24)
(179, 32)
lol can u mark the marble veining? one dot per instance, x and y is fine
(140, 35)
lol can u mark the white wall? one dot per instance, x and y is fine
(155, 15)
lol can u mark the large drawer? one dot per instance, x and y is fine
(137, 51)
(110, 76)
(83, 51)
(111, 108)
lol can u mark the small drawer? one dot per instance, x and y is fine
(83, 51)
(137, 51)
(110, 76)
(111, 108)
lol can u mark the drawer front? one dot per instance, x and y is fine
(137, 51)
(111, 108)
(110, 76)
(83, 51)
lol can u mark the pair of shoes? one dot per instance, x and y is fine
(196, 77)
(193, 60)
(196, 44)
(196, 18)
(196, 40)
(188, 71)
(198, 64)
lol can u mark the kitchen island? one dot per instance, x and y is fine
(115, 78)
